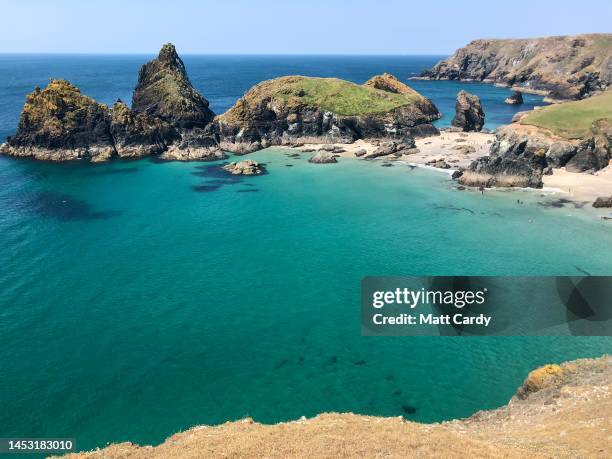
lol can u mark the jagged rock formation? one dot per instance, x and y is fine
(139, 134)
(169, 119)
(469, 115)
(515, 99)
(566, 67)
(569, 135)
(297, 109)
(59, 123)
(559, 411)
(164, 91)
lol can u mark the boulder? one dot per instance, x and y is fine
(323, 157)
(247, 167)
(389, 148)
(361, 152)
(164, 91)
(515, 99)
(603, 202)
(469, 115)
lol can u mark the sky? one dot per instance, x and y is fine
(286, 27)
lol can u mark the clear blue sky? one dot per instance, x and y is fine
(287, 27)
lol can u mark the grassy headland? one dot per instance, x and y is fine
(572, 120)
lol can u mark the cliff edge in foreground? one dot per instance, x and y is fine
(565, 67)
(559, 411)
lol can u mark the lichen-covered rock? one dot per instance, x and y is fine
(541, 378)
(469, 115)
(294, 109)
(515, 99)
(139, 134)
(323, 157)
(247, 167)
(60, 123)
(164, 91)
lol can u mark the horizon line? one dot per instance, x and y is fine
(69, 53)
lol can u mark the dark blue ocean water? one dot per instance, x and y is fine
(138, 299)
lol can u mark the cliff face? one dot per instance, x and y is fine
(559, 411)
(567, 67)
(303, 109)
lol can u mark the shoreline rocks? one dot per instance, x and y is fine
(469, 115)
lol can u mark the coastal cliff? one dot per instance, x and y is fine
(559, 411)
(574, 135)
(564, 67)
(298, 109)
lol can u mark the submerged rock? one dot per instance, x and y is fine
(515, 99)
(323, 157)
(469, 115)
(164, 91)
(247, 167)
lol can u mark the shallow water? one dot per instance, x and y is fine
(141, 298)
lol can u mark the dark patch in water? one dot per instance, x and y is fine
(389, 378)
(281, 364)
(409, 409)
(579, 269)
(125, 170)
(205, 188)
(301, 360)
(63, 207)
(396, 393)
(464, 209)
(360, 362)
(561, 203)
(294, 155)
(250, 190)
(387, 165)
(288, 165)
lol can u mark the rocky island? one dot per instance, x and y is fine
(168, 118)
(297, 109)
(565, 67)
(558, 411)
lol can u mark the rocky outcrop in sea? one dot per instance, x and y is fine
(515, 99)
(168, 118)
(565, 67)
(469, 115)
(296, 109)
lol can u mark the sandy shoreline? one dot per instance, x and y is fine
(456, 150)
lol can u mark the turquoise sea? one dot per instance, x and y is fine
(140, 298)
